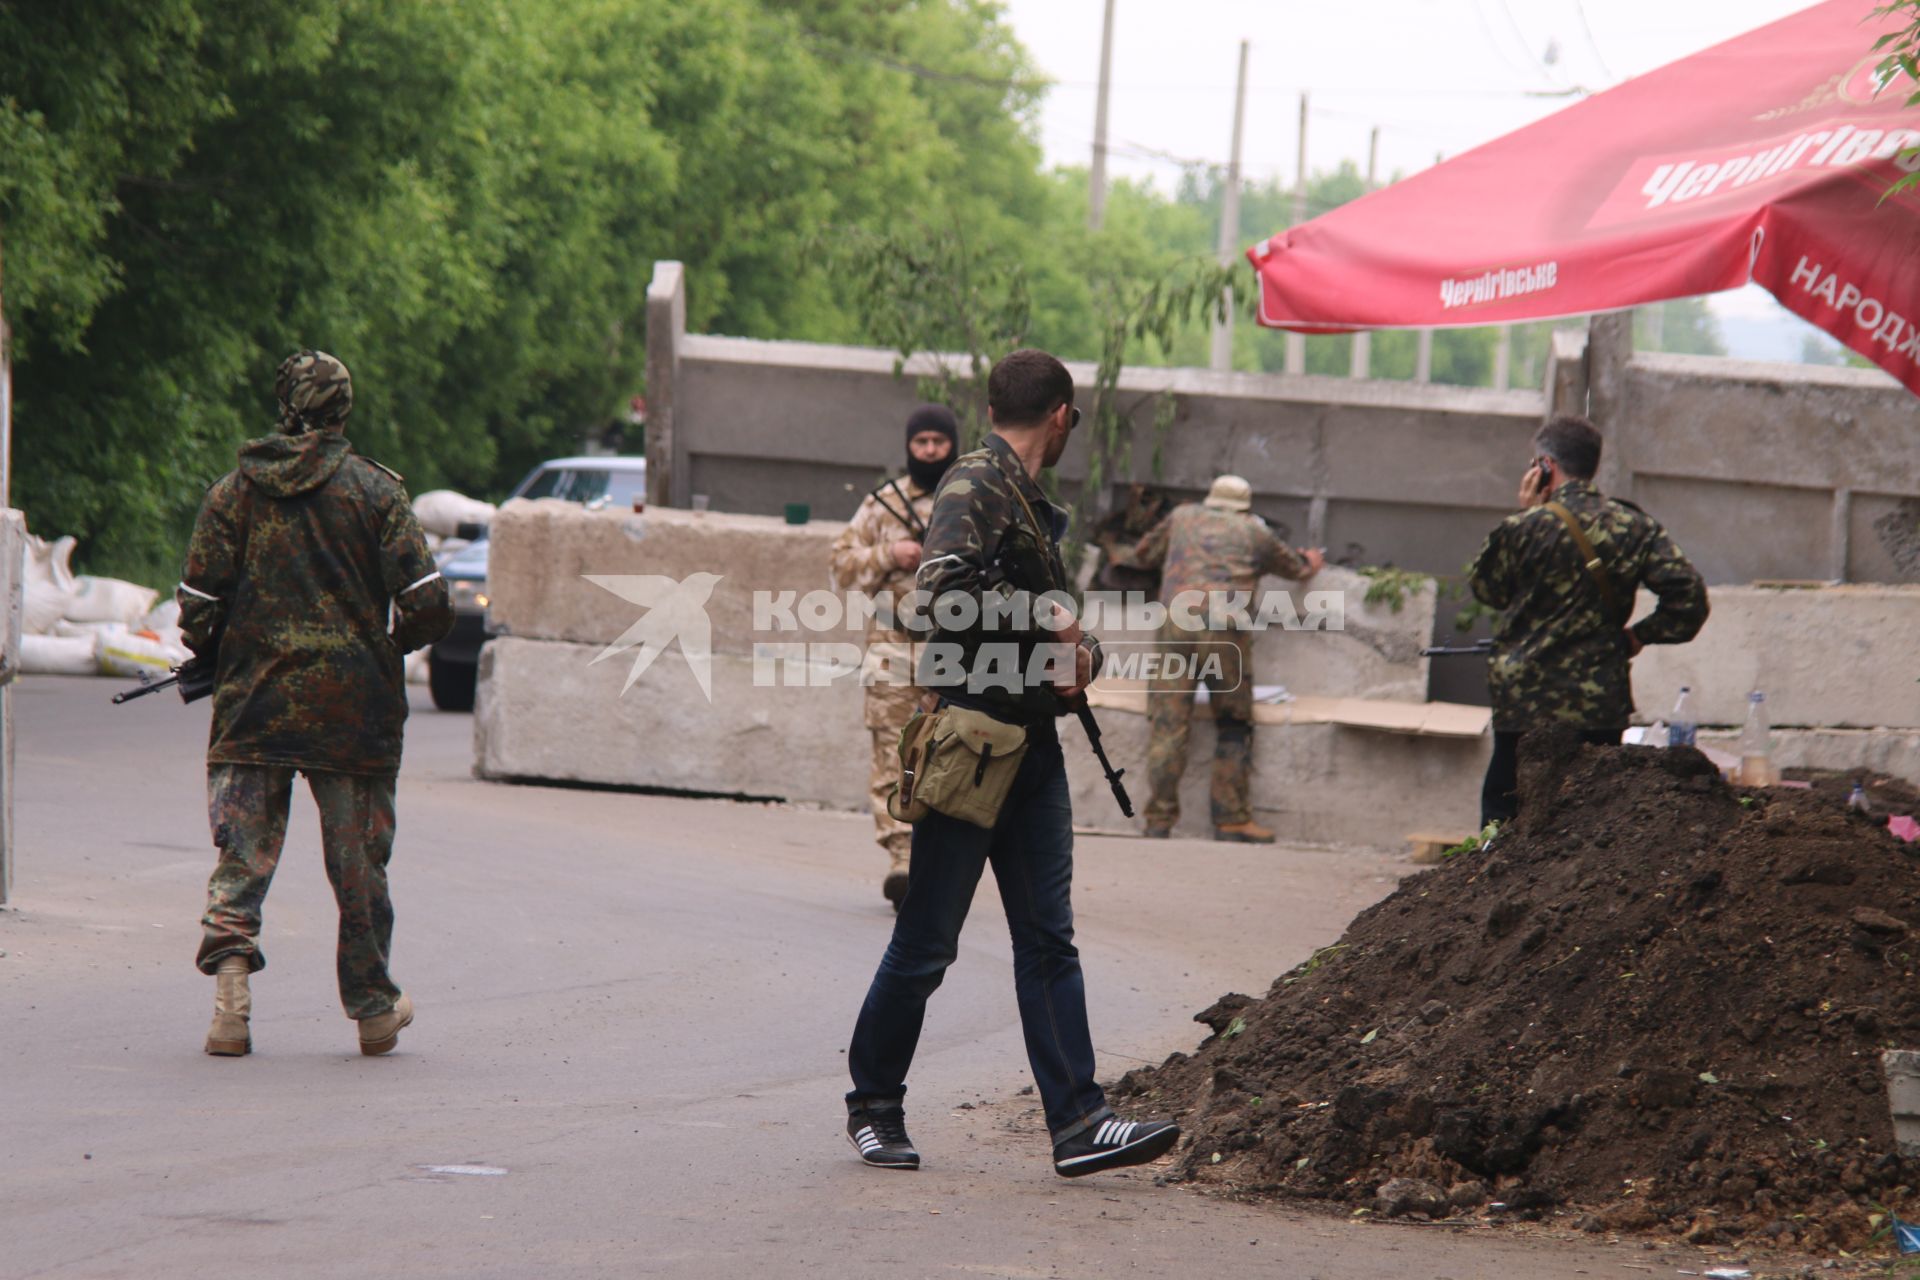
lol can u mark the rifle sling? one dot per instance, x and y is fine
(1588, 557)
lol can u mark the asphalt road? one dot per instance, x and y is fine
(629, 1049)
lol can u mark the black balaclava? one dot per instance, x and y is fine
(932, 417)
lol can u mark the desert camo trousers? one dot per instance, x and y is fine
(247, 809)
(888, 706)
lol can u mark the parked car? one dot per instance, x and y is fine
(453, 663)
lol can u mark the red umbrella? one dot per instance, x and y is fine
(1762, 159)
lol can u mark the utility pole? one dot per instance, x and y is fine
(13, 533)
(1363, 341)
(1097, 183)
(1297, 343)
(1423, 351)
(1230, 220)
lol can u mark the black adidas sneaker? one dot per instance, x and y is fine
(1114, 1144)
(879, 1133)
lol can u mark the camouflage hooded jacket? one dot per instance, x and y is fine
(1560, 655)
(297, 561)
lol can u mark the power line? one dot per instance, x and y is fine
(1486, 29)
(1513, 25)
(1581, 9)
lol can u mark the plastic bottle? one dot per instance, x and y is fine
(1857, 798)
(1756, 744)
(1681, 728)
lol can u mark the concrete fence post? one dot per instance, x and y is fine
(666, 331)
(1609, 351)
(1566, 382)
(1840, 542)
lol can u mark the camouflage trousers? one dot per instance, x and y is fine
(888, 706)
(1170, 713)
(247, 807)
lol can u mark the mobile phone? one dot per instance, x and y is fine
(1544, 465)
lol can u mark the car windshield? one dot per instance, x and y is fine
(545, 485)
(597, 488)
(624, 486)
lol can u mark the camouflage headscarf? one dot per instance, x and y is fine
(315, 391)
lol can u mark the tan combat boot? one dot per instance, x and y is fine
(381, 1032)
(1244, 833)
(232, 1006)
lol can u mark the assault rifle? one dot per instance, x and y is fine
(194, 679)
(1079, 705)
(1033, 565)
(904, 513)
(1480, 648)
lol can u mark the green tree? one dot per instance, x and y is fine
(459, 198)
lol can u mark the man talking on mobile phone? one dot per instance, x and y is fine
(1563, 572)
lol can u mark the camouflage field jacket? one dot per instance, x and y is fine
(1560, 654)
(300, 560)
(980, 542)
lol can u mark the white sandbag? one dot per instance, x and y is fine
(162, 616)
(102, 629)
(442, 511)
(47, 588)
(131, 654)
(60, 655)
(109, 600)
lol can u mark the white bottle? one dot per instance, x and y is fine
(1756, 744)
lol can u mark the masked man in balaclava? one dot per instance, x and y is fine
(879, 552)
(306, 582)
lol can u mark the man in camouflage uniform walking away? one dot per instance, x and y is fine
(299, 560)
(1564, 571)
(1208, 550)
(878, 553)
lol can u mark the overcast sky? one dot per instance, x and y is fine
(1436, 76)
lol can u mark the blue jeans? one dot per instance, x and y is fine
(1031, 849)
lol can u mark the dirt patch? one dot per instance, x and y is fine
(1656, 1003)
(1886, 794)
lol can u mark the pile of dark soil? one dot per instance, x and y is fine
(1654, 1003)
(1886, 794)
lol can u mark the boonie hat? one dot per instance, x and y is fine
(1230, 493)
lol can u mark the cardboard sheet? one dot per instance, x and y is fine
(1423, 719)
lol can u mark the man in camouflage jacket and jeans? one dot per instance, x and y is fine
(306, 582)
(1562, 645)
(994, 539)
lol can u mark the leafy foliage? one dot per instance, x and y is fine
(460, 198)
(1391, 587)
(1901, 50)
